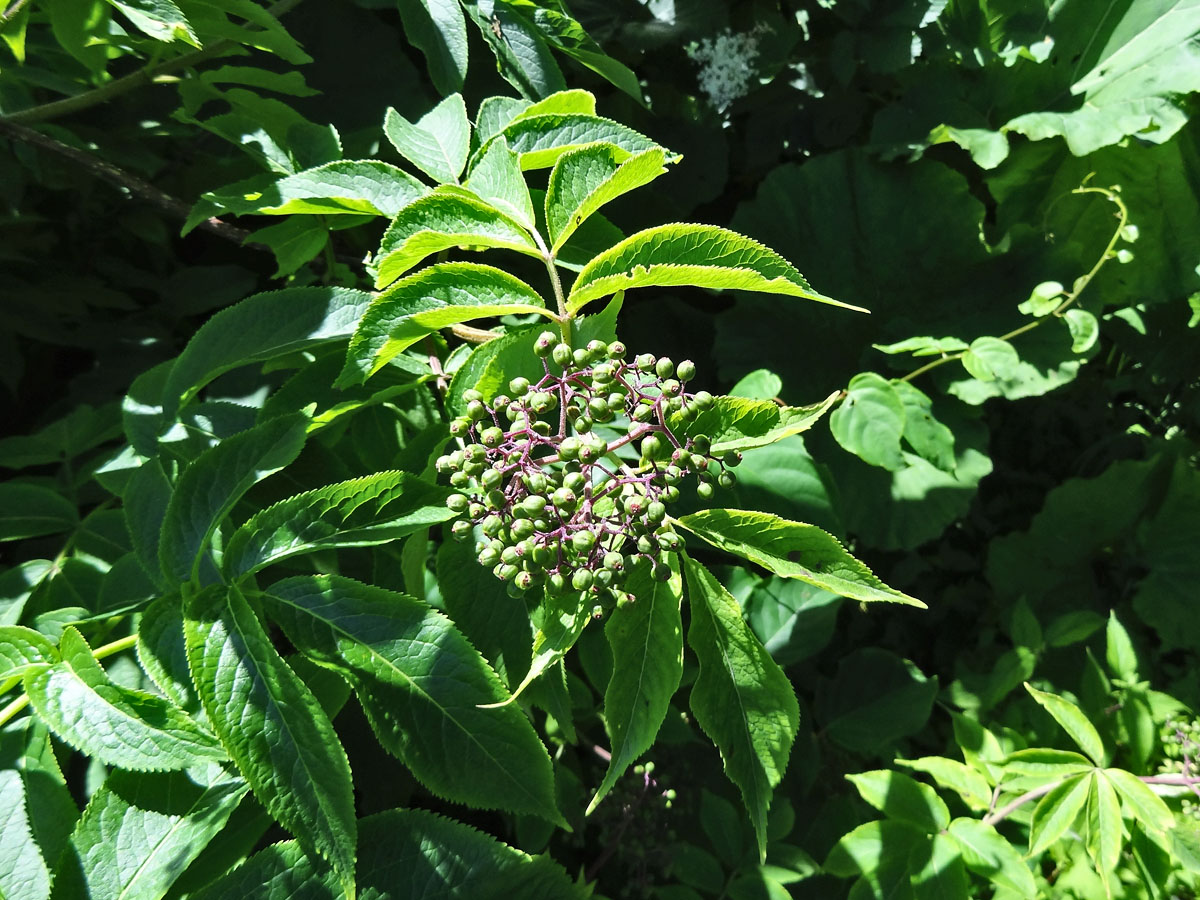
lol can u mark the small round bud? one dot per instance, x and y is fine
(645, 362)
(704, 491)
(510, 556)
(461, 530)
(602, 577)
(533, 504)
(732, 458)
(635, 506)
(664, 368)
(460, 479)
(524, 580)
(564, 500)
(703, 400)
(673, 475)
(491, 478)
(476, 410)
(561, 354)
(541, 428)
(496, 499)
(613, 560)
(544, 344)
(506, 571)
(583, 541)
(670, 541)
(476, 510)
(656, 512)
(575, 481)
(602, 374)
(488, 557)
(491, 437)
(652, 446)
(492, 525)
(556, 584)
(521, 529)
(457, 503)
(645, 544)
(726, 479)
(584, 424)
(686, 370)
(501, 402)
(670, 493)
(460, 426)
(569, 448)
(543, 402)
(643, 412)
(701, 444)
(544, 554)
(670, 388)
(597, 348)
(660, 572)
(472, 395)
(443, 465)
(616, 351)
(581, 358)
(519, 386)
(582, 579)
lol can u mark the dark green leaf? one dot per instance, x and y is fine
(30, 510)
(874, 699)
(437, 28)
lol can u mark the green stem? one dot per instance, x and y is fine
(564, 317)
(143, 76)
(1068, 298)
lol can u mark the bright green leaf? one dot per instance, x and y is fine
(867, 848)
(700, 255)
(1056, 812)
(924, 346)
(437, 28)
(1043, 300)
(972, 787)
(522, 54)
(735, 424)
(23, 871)
(585, 179)
(1105, 833)
(23, 650)
(540, 140)
(1140, 802)
(1043, 762)
(646, 637)
(273, 727)
(497, 179)
(1073, 721)
(1119, 653)
(792, 550)
(932, 440)
(988, 854)
(438, 143)
(990, 359)
(423, 688)
(162, 652)
(902, 798)
(871, 420)
(159, 19)
(741, 698)
(1084, 327)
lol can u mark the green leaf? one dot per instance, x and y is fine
(874, 699)
(585, 179)
(140, 832)
(988, 854)
(496, 113)
(78, 431)
(1140, 802)
(162, 652)
(146, 499)
(1084, 328)
(438, 143)
(159, 19)
(23, 650)
(211, 485)
(1043, 300)
(559, 622)
(902, 798)
(1073, 721)
(294, 241)
(540, 140)
(938, 872)
(646, 637)
(117, 725)
(573, 101)
(1119, 653)
(792, 550)
(700, 255)
(761, 384)
(273, 727)
(361, 512)
(991, 359)
(1105, 833)
(735, 424)
(1056, 812)
(568, 36)
(30, 510)
(497, 179)
(522, 54)
(405, 854)
(931, 439)
(1072, 627)
(1043, 762)
(871, 846)
(972, 787)
(342, 187)
(23, 872)
(262, 327)
(871, 420)
(741, 698)
(923, 346)
(437, 28)
(422, 687)
(448, 217)
(437, 296)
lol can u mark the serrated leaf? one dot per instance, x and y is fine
(1055, 812)
(972, 787)
(540, 139)
(272, 726)
(438, 143)
(495, 114)
(262, 327)
(870, 421)
(361, 512)
(567, 36)
(572, 101)
(559, 621)
(119, 726)
(1140, 802)
(585, 179)
(364, 187)
(741, 698)
(448, 217)
(23, 650)
(988, 854)
(294, 241)
(140, 832)
(23, 871)
(211, 485)
(159, 19)
(1043, 762)
(902, 798)
(990, 359)
(792, 550)
(700, 255)
(437, 28)
(405, 854)
(646, 638)
(433, 298)
(162, 652)
(497, 179)
(422, 686)
(30, 510)
(1073, 721)
(735, 424)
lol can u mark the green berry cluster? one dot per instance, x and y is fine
(559, 504)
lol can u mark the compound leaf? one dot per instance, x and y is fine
(646, 637)
(741, 697)
(422, 686)
(700, 255)
(361, 512)
(792, 550)
(119, 726)
(273, 727)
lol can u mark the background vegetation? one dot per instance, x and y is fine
(1009, 186)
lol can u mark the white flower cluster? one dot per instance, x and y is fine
(726, 66)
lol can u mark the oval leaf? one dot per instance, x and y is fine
(438, 143)
(273, 727)
(583, 180)
(30, 510)
(988, 854)
(497, 179)
(1141, 803)
(1073, 721)
(433, 298)
(699, 255)
(1056, 812)
(119, 726)
(792, 550)
(449, 217)
(361, 512)
(734, 424)
(421, 685)
(741, 698)
(902, 798)
(541, 138)
(870, 421)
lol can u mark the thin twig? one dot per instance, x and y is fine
(143, 76)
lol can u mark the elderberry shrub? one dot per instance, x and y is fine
(561, 506)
